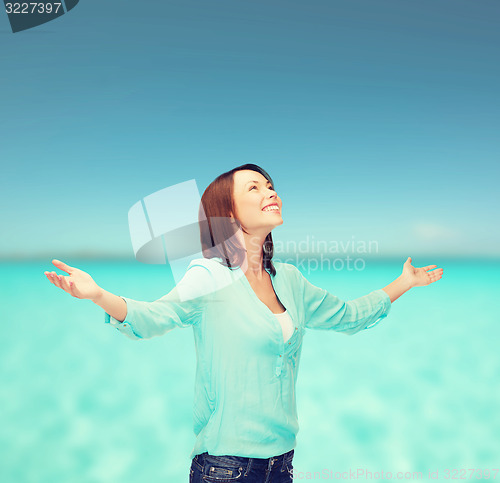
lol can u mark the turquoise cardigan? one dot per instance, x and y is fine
(246, 374)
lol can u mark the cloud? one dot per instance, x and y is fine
(426, 231)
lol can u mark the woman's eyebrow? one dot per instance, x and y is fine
(254, 181)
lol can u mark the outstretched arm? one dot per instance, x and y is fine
(181, 307)
(412, 277)
(323, 310)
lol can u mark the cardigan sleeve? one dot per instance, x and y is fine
(182, 307)
(323, 310)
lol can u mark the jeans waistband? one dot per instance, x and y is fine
(243, 461)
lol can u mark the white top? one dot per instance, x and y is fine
(286, 324)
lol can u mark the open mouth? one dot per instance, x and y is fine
(271, 208)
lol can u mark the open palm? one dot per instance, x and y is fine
(78, 283)
(420, 276)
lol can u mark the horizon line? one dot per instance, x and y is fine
(89, 256)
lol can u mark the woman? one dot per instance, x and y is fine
(248, 316)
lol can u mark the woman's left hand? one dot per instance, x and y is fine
(420, 276)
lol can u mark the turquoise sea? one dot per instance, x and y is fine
(419, 392)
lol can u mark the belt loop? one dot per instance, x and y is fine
(286, 457)
(249, 465)
(283, 463)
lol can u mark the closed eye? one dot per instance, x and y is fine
(255, 186)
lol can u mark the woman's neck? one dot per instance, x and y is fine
(253, 264)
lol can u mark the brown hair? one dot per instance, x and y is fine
(217, 230)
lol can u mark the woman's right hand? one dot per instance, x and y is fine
(78, 283)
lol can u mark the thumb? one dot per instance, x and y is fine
(408, 260)
(62, 265)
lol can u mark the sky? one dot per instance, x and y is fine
(378, 121)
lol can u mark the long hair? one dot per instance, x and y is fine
(217, 230)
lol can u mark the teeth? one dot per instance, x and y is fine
(271, 208)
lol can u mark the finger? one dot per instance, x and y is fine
(57, 280)
(428, 267)
(435, 277)
(62, 265)
(65, 284)
(437, 271)
(49, 277)
(73, 290)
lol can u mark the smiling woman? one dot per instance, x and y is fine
(249, 316)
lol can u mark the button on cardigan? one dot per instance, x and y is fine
(246, 373)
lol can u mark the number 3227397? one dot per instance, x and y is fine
(36, 7)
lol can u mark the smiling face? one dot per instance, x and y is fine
(257, 206)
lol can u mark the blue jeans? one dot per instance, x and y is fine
(206, 468)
